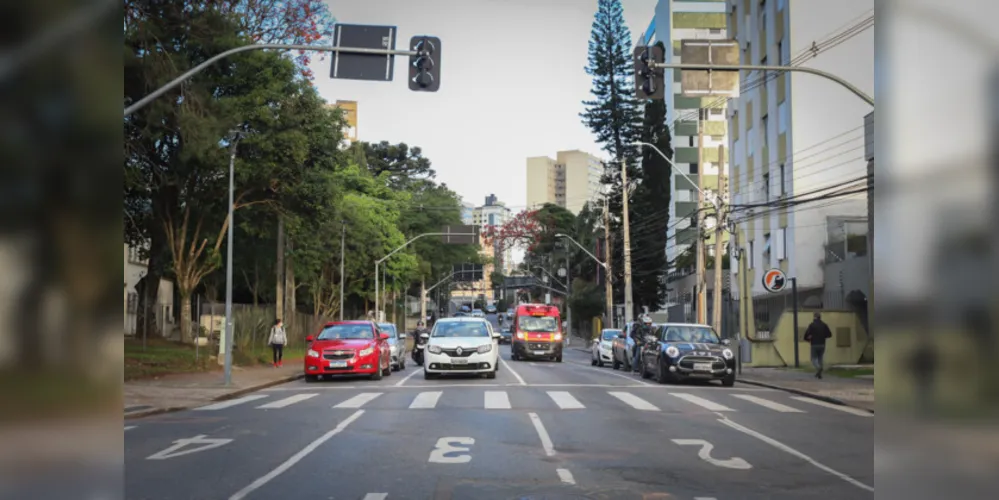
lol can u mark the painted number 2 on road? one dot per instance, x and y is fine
(452, 450)
(705, 454)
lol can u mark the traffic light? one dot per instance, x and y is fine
(425, 67)
(649, 82)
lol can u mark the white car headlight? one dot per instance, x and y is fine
(484, 348)
(434, 349)
(672, 351)
(727, 353)
(558, 337)
(312, 354)
(365, 352)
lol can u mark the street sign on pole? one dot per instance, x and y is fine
(371, 67)
(709, 83)
(460, 235)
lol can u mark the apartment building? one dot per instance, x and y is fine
(798, 138)
(350, 114)
(570, 180)
(675, 21)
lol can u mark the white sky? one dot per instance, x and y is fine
(512, 83)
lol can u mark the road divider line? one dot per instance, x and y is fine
(699, 401)
(506, 366)
(376, 496)
(634, 401)
(288, 401)
(565, 476)
(783, 447)
(232, 402)
(129, 427)
(565, 401)
(426, 400)
(411, 375)
(297, 457)
(497, 400)
(359, 400)
(546, 440)
(773, 405)
(847, 409)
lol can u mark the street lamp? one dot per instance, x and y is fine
(227, 344)
(639, 144)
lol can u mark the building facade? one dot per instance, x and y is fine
(797, 140)
(495, 213)
(675, 21)
(350, 113)
(570, 180)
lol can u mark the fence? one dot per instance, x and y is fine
(252, 324)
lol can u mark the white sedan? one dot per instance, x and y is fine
(462, 345)
(601, 350)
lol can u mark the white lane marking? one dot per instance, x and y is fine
(471, 383)
(359, 400)
(546, 440)
(403, 381)
(699, 401)
(129, 427)
(775, 406)
(447, 445)
(204, 441)
(847, 409)
(565, 401)
(232, 402)
(705, 454)
(506, 366)
(705, 498)
(783, 447)
(497, 400)
(376, 496)
(634, 401)
(297, 457)
(426, 400)
(565, 476)
(288, 401)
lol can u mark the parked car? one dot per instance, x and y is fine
(491, 309)
(623, 348)
(681, 351)
(397, 342)
(601, 348)
(348, 348)
(462, 345)
(478, 313)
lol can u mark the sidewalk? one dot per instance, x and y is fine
(857, 391)
(183, 391)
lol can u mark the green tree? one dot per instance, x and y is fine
(403, 165)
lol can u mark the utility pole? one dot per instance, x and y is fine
(343, 240)
(720, 217)
(608, 287)
(701, 296)
(423, 299)
(628, 303)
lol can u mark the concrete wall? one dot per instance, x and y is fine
(845, 347)
(848, 275)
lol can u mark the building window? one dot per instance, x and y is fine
(683, 196)
(780, 52)
(781, 244)
(782, 118)
(715, 31)
(747, 55)
(752, 254)
(693, 169)
(766, 187)
(690, 141)
(717, 111)
(765, 122)
(781, 4)
(780, 187)
(702, 114)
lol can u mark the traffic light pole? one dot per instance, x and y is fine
(378, 262)
(141, 103)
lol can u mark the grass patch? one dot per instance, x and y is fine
(850, 372)
(264, 356)
(163, 357)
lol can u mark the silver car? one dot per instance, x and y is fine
(397, 345)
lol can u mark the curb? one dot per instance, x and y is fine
(224, 397)
(807, 394)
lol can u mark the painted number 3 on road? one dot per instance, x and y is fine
(452, 450)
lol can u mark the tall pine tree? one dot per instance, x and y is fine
(651, 204)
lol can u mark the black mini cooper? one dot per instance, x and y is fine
(680, 351)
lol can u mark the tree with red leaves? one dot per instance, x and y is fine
(522, 230)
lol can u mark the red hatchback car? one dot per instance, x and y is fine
(348, 348)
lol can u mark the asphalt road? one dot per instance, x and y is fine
(539, 430)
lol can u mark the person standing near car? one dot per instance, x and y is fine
(277, 340)
(638, 333)
(817, 333)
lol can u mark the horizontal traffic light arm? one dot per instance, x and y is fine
(755, 67)
(141, 103)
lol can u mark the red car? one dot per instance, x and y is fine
(348, 348)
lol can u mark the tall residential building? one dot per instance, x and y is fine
(350, 113)
(798, 137)
(675, 21)
(495, 213)
(569, 181)
(467, 213)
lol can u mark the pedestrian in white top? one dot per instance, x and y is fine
(277, 341)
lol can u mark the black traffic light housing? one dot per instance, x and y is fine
(649, 81)
(425, 67)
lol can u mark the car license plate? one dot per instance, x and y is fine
(702, 367)
(338, 364)
(539, 353)
(459, 361)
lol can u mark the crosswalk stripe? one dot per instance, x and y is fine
(288, 401)
(634, 401)
(232, 402)
(376, 496)
(497, 400)
(768, 404)
(847, 409)
(565, 401)
(359, 400)
(426, 400)
(699, 401)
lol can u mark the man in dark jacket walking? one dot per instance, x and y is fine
(817, 333)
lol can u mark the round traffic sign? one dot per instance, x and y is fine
(774, 280)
